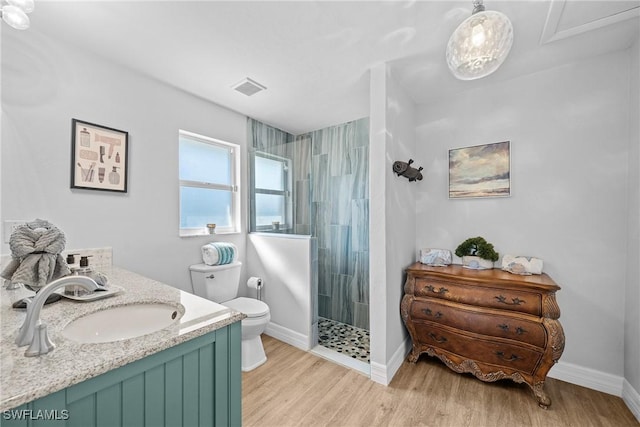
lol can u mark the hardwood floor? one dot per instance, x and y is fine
(297, 388)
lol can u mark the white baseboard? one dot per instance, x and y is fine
(587, 377)
(383, 374)
(288, 336)
(631, 398)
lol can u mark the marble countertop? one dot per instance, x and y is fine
(23, 379)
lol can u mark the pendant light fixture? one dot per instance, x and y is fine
(480, 44)
(14, 12)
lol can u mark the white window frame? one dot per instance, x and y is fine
(234, 187)
(286, 193)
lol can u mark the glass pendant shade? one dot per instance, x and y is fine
(15, 17)
(479, 45)
(27, 6)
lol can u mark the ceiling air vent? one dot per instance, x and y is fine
(248, 86)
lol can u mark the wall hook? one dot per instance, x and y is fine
(405, 169)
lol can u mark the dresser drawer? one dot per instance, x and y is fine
(495, 353)
(480, 295)
(480, 322)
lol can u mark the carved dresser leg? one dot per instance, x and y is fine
(543, 399)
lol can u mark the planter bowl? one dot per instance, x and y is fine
(476, 263)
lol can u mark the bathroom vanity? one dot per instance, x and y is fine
(185, 374)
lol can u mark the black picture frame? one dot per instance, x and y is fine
(99, 157)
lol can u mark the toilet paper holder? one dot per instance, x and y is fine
(256, 283)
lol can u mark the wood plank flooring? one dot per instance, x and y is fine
(297, 388)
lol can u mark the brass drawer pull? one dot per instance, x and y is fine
(428, 312)
(436, 339)
(513, 357)
(519, 330)
(440, 291)
(514, 301)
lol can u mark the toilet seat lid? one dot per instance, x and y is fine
(249, 306)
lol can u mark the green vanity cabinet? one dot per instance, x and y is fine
(196, 383)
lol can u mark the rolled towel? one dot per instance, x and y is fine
(35, 254)
(219, 253)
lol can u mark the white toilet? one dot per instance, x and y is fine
(220, 283)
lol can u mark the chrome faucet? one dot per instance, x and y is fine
(33, 331)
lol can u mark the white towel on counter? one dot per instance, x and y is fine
(219, 253)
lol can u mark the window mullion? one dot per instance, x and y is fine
(211, 185)
(272, 192)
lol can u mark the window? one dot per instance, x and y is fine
(272, 197)
(209, 170)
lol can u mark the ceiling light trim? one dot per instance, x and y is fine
(551, 34)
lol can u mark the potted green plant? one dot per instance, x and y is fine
(477, 253)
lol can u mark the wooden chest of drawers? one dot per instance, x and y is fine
(489, 323)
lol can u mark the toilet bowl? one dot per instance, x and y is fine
(258, 316)
(220, 283)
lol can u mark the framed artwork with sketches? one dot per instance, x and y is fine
(99, 157)
(480, 171)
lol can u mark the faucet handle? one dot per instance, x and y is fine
(41, 344)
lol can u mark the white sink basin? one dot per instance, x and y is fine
(122, 322)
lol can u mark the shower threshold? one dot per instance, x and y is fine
(341, 359)
(343, 344)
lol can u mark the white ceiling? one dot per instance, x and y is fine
(314, 56)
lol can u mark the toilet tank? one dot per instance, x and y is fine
(218, 283)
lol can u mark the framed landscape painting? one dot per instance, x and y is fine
(480, 171)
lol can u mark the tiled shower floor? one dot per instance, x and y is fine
(343, 338)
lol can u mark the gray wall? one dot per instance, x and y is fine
(400, 203)
(392, 219)
(569, 133)
(44, 86)
(632, 295)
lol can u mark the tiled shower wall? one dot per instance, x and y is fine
(340, 220)
(302, 147)
(331, 203)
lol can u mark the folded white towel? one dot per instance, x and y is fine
(219, 253)
(435, 257)
(522, 265)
